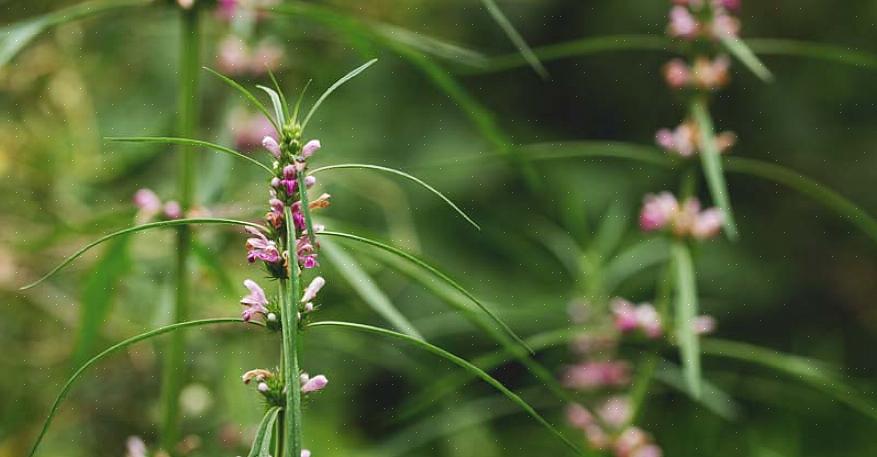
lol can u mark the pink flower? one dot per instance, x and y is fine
(724, 25)
(578, 416)
(657, 211)
(173, 210)
(592, 375)
(731, 5)
(266, 57)
(315, 384)
(704, 324)
(313, 288)
(629, 441)
(616, 411)
(310, 148)
(261, 248)
(305, 453)
(648, 450)
(272, 146)
(255, 302)
(707, 224)
(248, 130)
(135, 447)
(682, 23)
(625, 315)
(681, 140)
(648, 320)
(305, 252)
(233, 57)
(677, 74)
(711, 74)
(148, 203)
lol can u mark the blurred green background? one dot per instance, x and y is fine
(800, 280)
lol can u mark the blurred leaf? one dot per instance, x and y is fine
(611, 229)
(189, 142)
(829, 52)
(712, 398)
(279, 108)
(353, 73)
(742, 52)
(140, 228)
(803, 369)
(436, 273)
(431, 45)
(712, 164)
(596, 149)
(250, 97)
(829, 198)
(214, 265)
(515, 37)
(468, 367)
(115, 348)
(686, 310)
(404, 175)
(367, 289)
(14, 37)
(643, 255)
(264, 434)
(97, 296)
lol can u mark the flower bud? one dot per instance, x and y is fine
(275, 182)
(310, 148)
(173, 210)
(272, 317)
(289, 172)
(310, 181)
(313, 288)
(272, 146)
(315, 384)
(263, 387)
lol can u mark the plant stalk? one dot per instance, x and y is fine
(173, 374)
(290, 291)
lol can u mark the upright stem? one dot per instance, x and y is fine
(291, 290)
(187, 106)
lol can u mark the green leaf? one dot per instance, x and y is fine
(828, 52)
(793, 180)
(712, 398)
(189, 142)
(744, 54)
(214, 265)
(596, 149)
(97, 297)
(367, 289)
(686, 311)
(711, 161)
(431, 45)
(640, 256)
(14, 37)
(404, 175)
(284, 107)
(462, 363)
(611, 230)
(264, 433)
(435, 272)
(139, 228)
(249, 96)
(332, 88)
(112, 349)
(808, 371)
(515, 37)
(279, 107)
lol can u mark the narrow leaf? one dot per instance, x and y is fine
(283, 104)
(404, 175)
(332, 88)
(686, 311)
(188, 142)
(139, 228)
(367, 289)
(711, 161)
(515, 37)
(264, 433)
(770, 46)
(249, 96)
(462, 363)
(431, 45)
(744, 54)
(112, 349)
(643, 255)
(279, 108)
(713, 398)
(436, 273)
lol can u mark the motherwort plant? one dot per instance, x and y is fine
(287, 246)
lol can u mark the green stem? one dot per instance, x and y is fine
(174, 364)
(290, 291)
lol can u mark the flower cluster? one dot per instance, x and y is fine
(685, 141)
(236, 57)
(663, 211)
(698, 19)
(150, 207)
(608, 430)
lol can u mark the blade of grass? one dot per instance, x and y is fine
(283, 104)
(188, 142)
(367, 289)
(264, 433)
(139, 228)
(249, 96)
(404, 175)
(515, 37)
(828, 52)
(712, 164)
(744, 54)
(438, 274)
(462, 363)
(686, 310)
(353, 73)
(277, 103)
(112, 349)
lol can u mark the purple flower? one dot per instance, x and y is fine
(593, 375)
(147, 201)
(255, 302)
(261, 248)
(658, 211)
(310, 148)
(313, 288)
(305, 252)
(315, 384)
(625, 315)
(272, 146)
(731, 5)
(682, 23)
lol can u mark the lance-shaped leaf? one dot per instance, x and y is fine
(744, 54)
(515, 37)
(140, 228)
(189, 142)
(249, 96)
(462, 363)
(109, 351)
(686, 310)
(438, 274)
(277, 103)
(332, 88)
(264, 433)
(404, 175)
(711, 161)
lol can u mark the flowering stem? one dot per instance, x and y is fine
(290, 290)
(174, 364)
